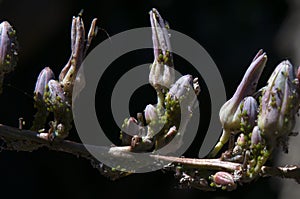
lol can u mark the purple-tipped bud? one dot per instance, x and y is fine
(249, 111)
(229, 113)
(160, 38)
(279, 102)
(130, 128)
(42, 82)
(241, 140)
(162, 73)
(182, 86)
(56, 94)
(8, 50)
(150, 113)
(224, 179)
(256, 137)
(8, 47)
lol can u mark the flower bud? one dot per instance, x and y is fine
(8, 47)
(224, 180)
(256, 137)
(229, 112)
(241, 140)
(56, 94)
(130, 128)
(8, 50)
(279, 103)
(162, 73)
(42, 82)
(249, 112)
(150, 113)
(181, 87)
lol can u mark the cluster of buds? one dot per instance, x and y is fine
(8, 50)
(255, 122)
(262, 120)
(174, 100)
(54, 96)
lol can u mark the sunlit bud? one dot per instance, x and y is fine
(249, 111)
(241, 140)
(8, 47)
(150, 113)
(225, 180)
(229, 112)
(162, 73)
(182, 86)
(130, 128)
(8, 50)
(256, 137)
(56, 94)
(279, 102)
(42, 82)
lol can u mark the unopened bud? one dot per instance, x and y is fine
(256, 137)
(249, 112)
(182, 87)
(42, 82)
(56, 94)
(241, 140)
(229, 113)
(150, 113)
(224, 180)
(8, 47)
(8, 50)
(162, 74)
(279, 103)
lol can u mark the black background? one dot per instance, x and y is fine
(231, 31)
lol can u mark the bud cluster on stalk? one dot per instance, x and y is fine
(174, 99)
(261, 119)
(54, 96)
(253, 121)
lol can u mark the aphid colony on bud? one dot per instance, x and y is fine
(52, 96)
(254, 122)
(173, 99)
(260, 127)
(8, 50)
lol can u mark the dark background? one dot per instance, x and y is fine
(231, 31)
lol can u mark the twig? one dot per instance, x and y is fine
(289, 171)
(26, 140)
